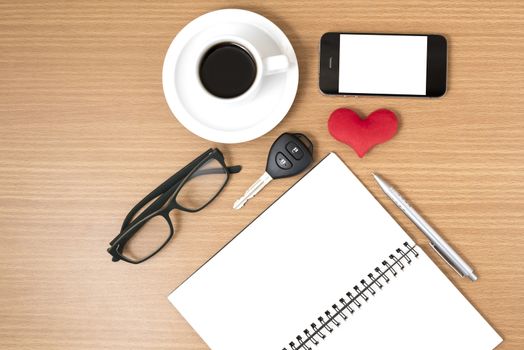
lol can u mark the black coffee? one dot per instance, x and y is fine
(227, 70)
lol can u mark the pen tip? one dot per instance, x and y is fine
(473, 277)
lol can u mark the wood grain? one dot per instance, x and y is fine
(85, 132)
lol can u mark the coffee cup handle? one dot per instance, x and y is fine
(275, 64)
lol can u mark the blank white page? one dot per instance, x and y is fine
(300, 256)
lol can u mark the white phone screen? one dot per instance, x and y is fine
(383, 64)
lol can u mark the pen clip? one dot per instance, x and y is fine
(444, 258)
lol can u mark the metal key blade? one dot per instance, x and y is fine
(253, 190)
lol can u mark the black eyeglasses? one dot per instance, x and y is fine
(146, 231)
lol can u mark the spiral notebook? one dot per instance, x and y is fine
(326, 267)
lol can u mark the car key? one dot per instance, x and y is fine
(289, 155)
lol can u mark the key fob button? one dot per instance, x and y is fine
(282, 161)
(294, 150)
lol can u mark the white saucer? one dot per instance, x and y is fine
(220, 120)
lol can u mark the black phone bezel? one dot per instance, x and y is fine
(436, 65)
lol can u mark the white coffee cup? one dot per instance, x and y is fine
(265, 64)
(264, 103)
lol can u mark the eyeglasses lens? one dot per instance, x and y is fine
(203, 185)
(146, 241)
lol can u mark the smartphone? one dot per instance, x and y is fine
(383, 64)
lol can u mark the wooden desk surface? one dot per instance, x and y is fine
(85, 133)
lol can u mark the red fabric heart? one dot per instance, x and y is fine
(362, 134)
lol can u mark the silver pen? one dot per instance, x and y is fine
(441, 247)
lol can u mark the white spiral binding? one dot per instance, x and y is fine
(346, 308)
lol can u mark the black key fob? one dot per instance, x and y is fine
(290, 154)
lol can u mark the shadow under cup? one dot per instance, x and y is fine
(227, 70)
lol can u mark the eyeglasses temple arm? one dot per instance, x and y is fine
(234, 169)
(162, 188)
(160, 192)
